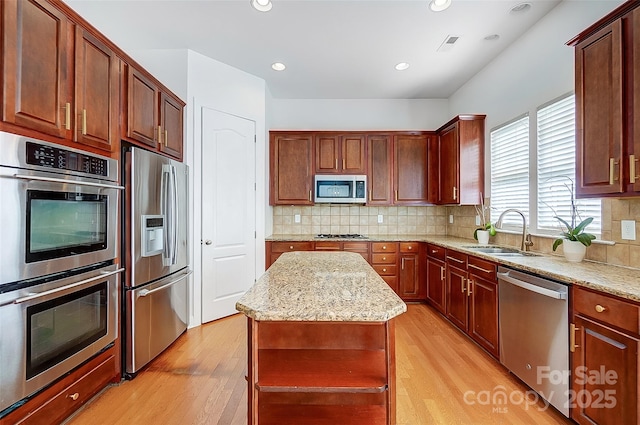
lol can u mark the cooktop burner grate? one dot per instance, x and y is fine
(346, 236)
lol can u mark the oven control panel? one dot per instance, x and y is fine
(50, 156)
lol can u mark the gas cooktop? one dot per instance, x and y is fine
(333, 236)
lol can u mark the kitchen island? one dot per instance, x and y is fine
(321, 342)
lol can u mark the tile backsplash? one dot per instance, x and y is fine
(345, 219)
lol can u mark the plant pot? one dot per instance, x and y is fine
(483, 237)
(574, 251)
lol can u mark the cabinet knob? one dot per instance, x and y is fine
(600, 308)
(74, 396)
(410, 247)
(384, 258)
(290, 246)
(384, 247)
(384, 270)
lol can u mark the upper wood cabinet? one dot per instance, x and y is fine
(291, 168)
(38, 65)
(340, 154)
(459, 158)
(380, 175)
(607, 88)
(154, 118)
(410, 169)
(41, 90)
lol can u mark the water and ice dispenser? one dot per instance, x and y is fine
(152, 235)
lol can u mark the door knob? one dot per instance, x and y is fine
(208, 242)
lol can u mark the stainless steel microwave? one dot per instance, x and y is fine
(340, 188)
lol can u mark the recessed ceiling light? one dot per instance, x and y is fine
(439, 5)
(520, 8)
(262, 5)
(402, 66)
(278, 66)
(492, 37)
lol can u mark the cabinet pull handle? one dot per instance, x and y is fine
(612, 167)
(572, 338)
(469, 288)
(344, 164)
(84, 122)
(455, 193)
(455, 259)
(600, 309)
(396, 195)
(480, 268)
(310, 196)
(441, 273)
(166, 138)
(402, 263)
(67, 116)
(74, 396)
(369, 194)
(632, 169)
(462, 285)
(159, 135)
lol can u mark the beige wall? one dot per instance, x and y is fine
(623, 252)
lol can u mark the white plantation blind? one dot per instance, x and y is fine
(556, 167)
(510, 170)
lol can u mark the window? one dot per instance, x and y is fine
(539, 184)
(556, 167)
(510, 170)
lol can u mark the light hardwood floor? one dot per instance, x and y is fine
(200, 380)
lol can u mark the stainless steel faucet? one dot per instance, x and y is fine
(526, 237)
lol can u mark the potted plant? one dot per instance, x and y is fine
(486, 229)
(574, 239)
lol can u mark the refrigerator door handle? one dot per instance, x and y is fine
(165, 190)
(174, 216)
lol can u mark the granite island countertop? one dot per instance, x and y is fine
(321, 286)
(610, 279)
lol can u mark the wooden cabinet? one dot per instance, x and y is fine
(472, 298)
(97, 93)
(411, 286)
(410, 169)
(60, 400)
(460, 162)
(276, 249)
(153, 117)
(340, 153)
(291, 168)
(607, 100)
(604, 346)
(327, 372)
(482, 290)
(53, 88)
(380, 176)
(436, 277)
(384, 260)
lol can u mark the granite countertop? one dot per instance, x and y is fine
(616, 280)
(321, 286)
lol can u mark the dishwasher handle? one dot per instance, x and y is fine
(533, 288)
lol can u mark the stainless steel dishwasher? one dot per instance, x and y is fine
(534, 333)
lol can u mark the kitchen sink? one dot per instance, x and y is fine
(500, 251)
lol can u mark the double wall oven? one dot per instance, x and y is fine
(59, 277)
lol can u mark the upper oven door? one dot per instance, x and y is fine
(54, 222)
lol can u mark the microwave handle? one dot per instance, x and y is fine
(73, 182)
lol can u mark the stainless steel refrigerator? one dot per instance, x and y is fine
(157, 265)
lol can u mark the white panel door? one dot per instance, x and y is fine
(228, 211)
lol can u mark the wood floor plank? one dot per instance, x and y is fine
(200, 380)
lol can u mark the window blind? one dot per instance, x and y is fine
(510, 171)
(556, 168)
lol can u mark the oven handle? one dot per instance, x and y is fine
(531, 287)
(81, 183)
(146, 292)
(63, 288)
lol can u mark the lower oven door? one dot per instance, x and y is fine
(156, 316)
(51, 328)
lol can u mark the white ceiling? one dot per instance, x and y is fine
(333, 49)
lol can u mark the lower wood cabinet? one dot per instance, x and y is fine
(60, 400)
(436, 277)
(276, 249)
(410, 283)
(604, 353)
(457, 299)
(384, 260)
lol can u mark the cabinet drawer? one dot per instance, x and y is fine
(385, 270)
(291, 246)
(356, 246)
(383, 259)
(409, 246)
(384, 246)
(456, 258)
(606, 309)
(479, 267)
(327, 246)
(436, 251)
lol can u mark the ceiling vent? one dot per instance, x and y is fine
(448, 43)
